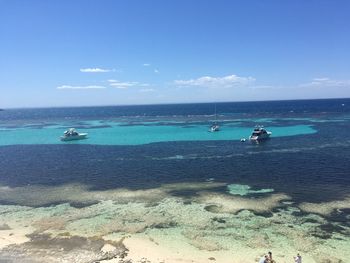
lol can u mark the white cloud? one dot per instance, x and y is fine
(216, 82)
(326, 82)
(124, 85)
(95, 70)
(156, 71)
(146, 65)
(80, 87)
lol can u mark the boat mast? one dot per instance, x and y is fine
(215, 115)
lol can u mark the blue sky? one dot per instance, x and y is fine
(75, 53)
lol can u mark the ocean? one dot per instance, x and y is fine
(154, 174)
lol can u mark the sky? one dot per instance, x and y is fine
(121, 52)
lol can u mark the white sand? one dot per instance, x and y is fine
(175, 252)
(14, 236)
(171, 250)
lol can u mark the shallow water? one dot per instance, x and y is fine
(126, 134)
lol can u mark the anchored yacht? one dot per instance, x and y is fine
(71, 134)
(259, 133)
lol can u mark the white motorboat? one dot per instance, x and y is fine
(259, 133)
(71, 134)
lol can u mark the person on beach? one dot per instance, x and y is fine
(297, 259)
(270, 260)
(264, 259)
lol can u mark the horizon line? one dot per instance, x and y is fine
(170, 103)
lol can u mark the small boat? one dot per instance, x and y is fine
(215, 127)
(259, 133)
(71, 134)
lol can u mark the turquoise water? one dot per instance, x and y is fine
(140, 134)
(242, 190)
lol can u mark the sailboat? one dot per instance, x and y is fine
(215, 127)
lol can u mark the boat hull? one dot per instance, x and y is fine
(260, 137)
(81, 136)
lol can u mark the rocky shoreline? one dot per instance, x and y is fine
(154, 226)
(44, 248)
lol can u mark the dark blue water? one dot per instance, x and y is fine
(309, 168)
(267, 108)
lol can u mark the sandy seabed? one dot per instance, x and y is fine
(74, 224)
